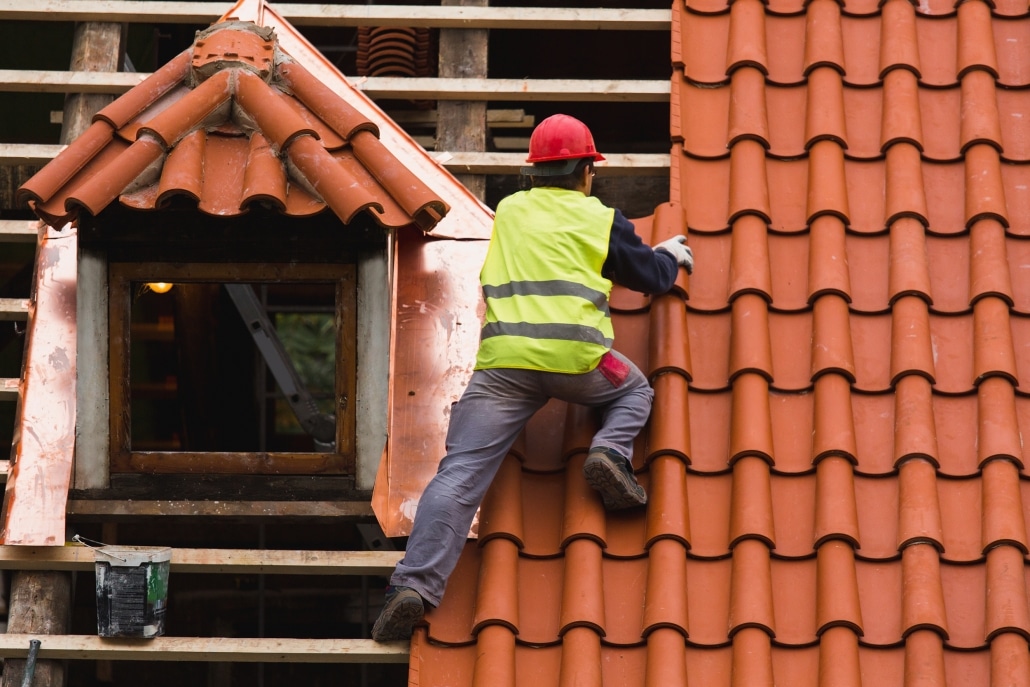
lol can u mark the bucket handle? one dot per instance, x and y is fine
(82, 540)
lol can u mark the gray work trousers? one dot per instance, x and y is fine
(484, 424)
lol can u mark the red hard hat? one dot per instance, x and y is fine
(561, 137)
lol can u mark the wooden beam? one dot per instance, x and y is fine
(616, 164)
(18, 231)
(378, 87)
(9, 389)
(203, 649)
(246, 510)
(314, 14)
(229, 561)
(14, 309)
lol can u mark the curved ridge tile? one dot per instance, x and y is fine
(836, 513)
(975, 39)
(824, 42)
(666, 658)
(749, 259)
(704, 39)
(665, 599)
(498, 590)
(748, 189)
(183, 171)
(316, 96)
(993, 353)
(98, 191)
(752, 658)
(1002, 522)
(828, 272)
(1010, 660)
(45, 184)
(222, 194)
(495, 658)
(899, 44)
(746, 47)
(909, 269)
(980, 123)
(264, 180)
(751, 589)
(912, 349)
(834, 428)
(751, 513)
(989, 268)
(583, 587)
(129, 105)
(792, 353)
(922, 594)
(827, 184)
(208, 101)
(985, 195)
(750, 428)
(1007, 609)
(668, 516)
(824, 118)
(837, 597)
(839, 658)
(747, 112)
(580, 658)
(669, 341)
(750, 349)
(924, 659)
(937, 41)
(861, 43)
(901, 121)
(915, 429)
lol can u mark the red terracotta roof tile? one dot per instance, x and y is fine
(192, 127)
(838, 492)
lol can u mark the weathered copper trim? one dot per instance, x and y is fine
(44, 443)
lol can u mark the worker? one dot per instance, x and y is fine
(553, 255)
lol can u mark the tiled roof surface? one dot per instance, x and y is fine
(835, 459)
(231, 122)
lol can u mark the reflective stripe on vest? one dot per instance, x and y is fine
(547, 303)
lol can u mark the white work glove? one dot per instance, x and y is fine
(679, 250)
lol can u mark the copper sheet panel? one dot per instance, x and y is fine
(44, 441)
(835, 460)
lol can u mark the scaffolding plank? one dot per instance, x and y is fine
(202, 649)
(109, 509)
(18, 231)
(9, 389)
(14, 309)
(232, 561)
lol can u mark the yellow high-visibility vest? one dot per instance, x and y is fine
(546, 301)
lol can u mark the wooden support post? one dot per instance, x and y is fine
(462, 124)
(41, 601)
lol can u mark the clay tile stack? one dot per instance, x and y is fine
(231, 123)
(835, 456)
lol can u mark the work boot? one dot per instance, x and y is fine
(403, 610)
(612, 476)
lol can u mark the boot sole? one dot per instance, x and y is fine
(617, 491)
(399, 621)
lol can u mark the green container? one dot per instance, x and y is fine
(132, 590)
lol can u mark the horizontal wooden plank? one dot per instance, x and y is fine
(378, 87)
(629, 164)
(18, 231)
(234, 561)
(314, 14)
(9, 389)
(248, 510)
(14, 309)
(203, 649)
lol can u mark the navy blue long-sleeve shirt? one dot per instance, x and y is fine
(634, 264)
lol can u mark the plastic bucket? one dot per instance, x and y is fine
(132, 590)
